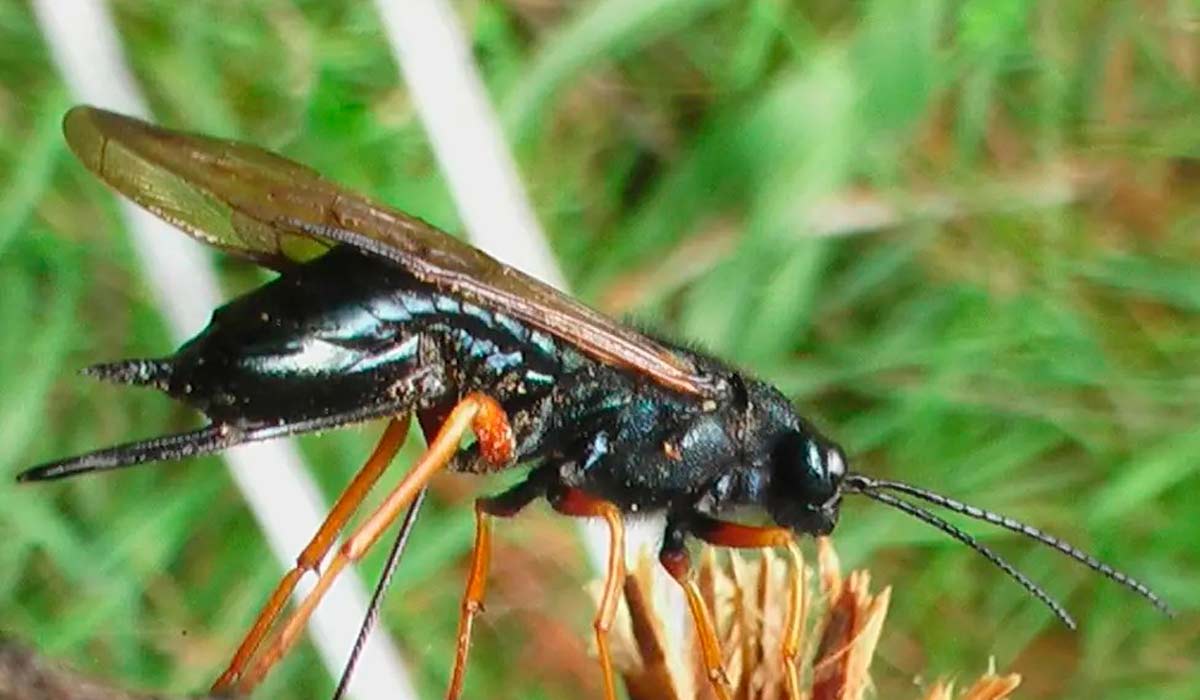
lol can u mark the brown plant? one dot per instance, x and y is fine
(760, 607)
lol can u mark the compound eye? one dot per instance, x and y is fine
(835, 463)
(802, 470)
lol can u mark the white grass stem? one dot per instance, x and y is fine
(271, 476)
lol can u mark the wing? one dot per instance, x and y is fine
(264, 207)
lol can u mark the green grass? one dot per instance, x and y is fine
(1033, 354)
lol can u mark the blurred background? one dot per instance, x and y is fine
(962, 235)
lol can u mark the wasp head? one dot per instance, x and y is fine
(798, 473)
(805, 486)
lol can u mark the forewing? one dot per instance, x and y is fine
(220, 192)
(262, 206)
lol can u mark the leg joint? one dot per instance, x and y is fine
(492, 429)
(677, 563)
(580, 504)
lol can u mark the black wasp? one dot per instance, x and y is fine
(375, 314)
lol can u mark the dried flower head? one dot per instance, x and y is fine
(771, 618)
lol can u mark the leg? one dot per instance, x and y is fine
(574, 502)
(674, 558)
(736, 535)
(476, 412)
(796, 620)
(310, 558)
(505, 505)
(726, 534)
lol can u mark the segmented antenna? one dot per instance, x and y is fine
(931, 519)
(1020, 528)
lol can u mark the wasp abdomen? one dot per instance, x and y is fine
(346, 332)
(306, 346)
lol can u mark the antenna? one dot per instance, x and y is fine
(866, 484)
(936, 521)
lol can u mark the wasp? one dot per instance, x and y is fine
(377, 315)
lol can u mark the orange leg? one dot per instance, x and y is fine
(726, 534)
(310, 558)
(675, 560)
(738, 536)
(579, 504)
(472, 602)
(476, 412)
(505, 505)
(797, 615)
